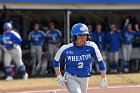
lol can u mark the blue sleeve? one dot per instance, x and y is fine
(101, 65)
(99, 57)
(136, 33)
(17, 38)
(60, 55)
(120, 36)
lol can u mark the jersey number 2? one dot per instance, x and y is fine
(80, 65)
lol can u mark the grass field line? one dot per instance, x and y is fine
(90, 88)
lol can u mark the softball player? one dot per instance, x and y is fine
(11, 41)
(78, 57)
(113, 41)
(53, 37)
(99, 39)
(128, 37)
(36, 37)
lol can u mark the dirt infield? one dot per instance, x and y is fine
(110, 89)
(120, 83)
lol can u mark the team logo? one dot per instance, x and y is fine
(69, 52)
(83, 28)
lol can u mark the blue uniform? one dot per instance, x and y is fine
(14, 37)
(113, 40)
(78, 58)
(53, 36)
(36, 37)
(13, 52)
(128, 36)
(99, 39)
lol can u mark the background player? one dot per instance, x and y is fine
(78, 57)
(99, 39)
(36, 37)
(128, 37)
(11, 41)
(53, 37)
(113, 43)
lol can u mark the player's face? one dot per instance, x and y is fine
(8, 30)
(113, 28)
(129, 27)
(98, 28)
(36, 27)
(81, 39)
(51, 26)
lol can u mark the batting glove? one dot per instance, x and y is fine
(104, 83)
(61, 81)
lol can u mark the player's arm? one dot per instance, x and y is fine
(17, 39)
(101, 65)
(60, 55)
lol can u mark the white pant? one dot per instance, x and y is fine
(36, 53)
(13, 54)
(52, 50)
(76, 84)
(114, 56)
(126, 52)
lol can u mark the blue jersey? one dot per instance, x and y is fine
(78, 58)
(113, 39)
(11, 36)
(128, 36)
(36, 37)
(53, 36)
(99, 39)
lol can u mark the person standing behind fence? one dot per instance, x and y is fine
(113, 40)
(53, 37)
(99, 39)
(36, 37)
(128, 37)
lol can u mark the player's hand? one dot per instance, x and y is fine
(9, 42)
(61, 81)
(104, 83)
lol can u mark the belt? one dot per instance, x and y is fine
(79, 75)
(10, 48)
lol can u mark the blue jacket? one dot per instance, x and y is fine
(36, 37)
(12, 36)
(113, 40)
(99, 39)
(128, 36)
(53, 36)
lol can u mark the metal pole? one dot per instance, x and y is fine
(68, 26)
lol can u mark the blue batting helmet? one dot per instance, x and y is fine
(7, 26)
(78, 29)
